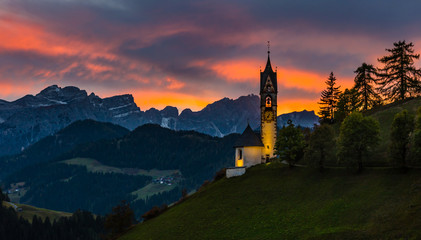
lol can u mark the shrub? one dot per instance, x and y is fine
(220, 174)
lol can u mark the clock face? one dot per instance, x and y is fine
(268, 116)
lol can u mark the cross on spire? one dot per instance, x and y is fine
(268, 47)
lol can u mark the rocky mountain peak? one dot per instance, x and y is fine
(64, 95)
(169, 111)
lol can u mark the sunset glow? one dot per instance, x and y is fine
(187, 55)
(159, 100)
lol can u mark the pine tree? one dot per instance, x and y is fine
(329, 98)
(399, 77)
(367, 95)
(348, 102)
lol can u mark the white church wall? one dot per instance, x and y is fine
(252, 156)
(234, 172)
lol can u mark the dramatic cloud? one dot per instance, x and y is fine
(190, 53)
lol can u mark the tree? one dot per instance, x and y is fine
(364, 80)
(290, 144)
(3, 197)
(417, 137)
(154, 212)
(358, 135)
(328, 99)
(121, 218)
(400, 136)
(347, 103)
(320, 145)
(399, 77)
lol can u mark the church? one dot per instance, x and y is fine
(252, 148)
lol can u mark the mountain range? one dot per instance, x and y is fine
(55, 108)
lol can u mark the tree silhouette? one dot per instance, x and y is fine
(320, 145)
(290, 144)
(347, 103)
(402, 127)
(399, 77)
(121, 218)
(417, 137)
(358, 136)
(328, 99)
(363, 85)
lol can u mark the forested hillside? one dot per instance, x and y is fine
(149, 166)
(77, 133)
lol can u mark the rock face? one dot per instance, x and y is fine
(303, 119)
(222, 117)
(30, 118)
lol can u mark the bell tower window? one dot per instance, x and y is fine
(268, 102)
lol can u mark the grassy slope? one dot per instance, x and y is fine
(274, 202)
(149, 190)
(385, 115)
(28, 212)
(95, 166)
(152, 189)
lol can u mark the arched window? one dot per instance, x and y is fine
(268, 101)
(240, 154)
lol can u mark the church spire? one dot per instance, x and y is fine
(268, 65)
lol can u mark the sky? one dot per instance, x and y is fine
(188, 54)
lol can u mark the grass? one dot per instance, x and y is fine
(385, 115)
(93, 165)
(143, 193)
(16, 196)
(28, 212)
(152, 189)
(275, 202)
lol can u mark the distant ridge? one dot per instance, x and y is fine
(30, 118)
(78, 133)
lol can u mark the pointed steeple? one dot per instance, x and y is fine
(268, 65)
(268, 75)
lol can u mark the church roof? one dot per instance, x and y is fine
(249, 139)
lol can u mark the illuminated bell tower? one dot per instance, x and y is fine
(268, 105)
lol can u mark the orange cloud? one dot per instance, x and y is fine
(174, 84)
(95, 68)
(300, 79)
(238, 70)
(13, 91)
(19, 33)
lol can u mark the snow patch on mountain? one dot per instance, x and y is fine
(165, 122)
(114, 108)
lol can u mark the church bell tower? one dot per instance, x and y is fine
(268, 105)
